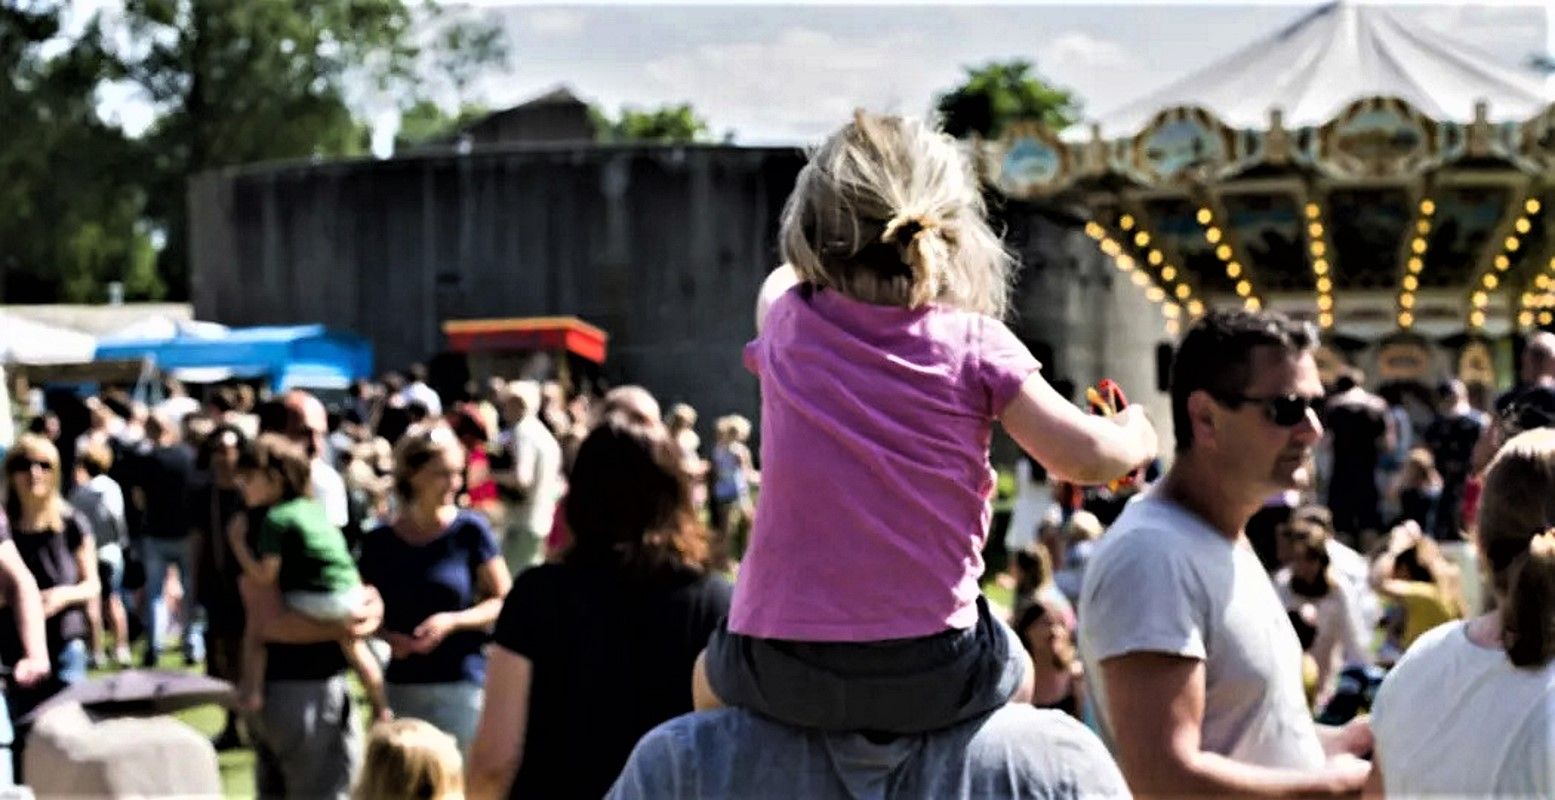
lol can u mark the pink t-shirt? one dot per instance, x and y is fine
(875, 423)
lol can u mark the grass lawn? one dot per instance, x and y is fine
(237, 766)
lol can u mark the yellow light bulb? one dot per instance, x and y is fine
(1523, 225)
(1427, 207)
(1546, 317)
(1196, 308)
(1512, 244)
(1110, 247)
(1325, 319)
(1125, 263)
(1325, 285)
(1542, 281)
(1204, 216)
(1318, 249)
(1415, 265)
(1491, 281)
(1411, 283)
(1324, 302)
(1168, 273)
(1223, 252)
(1418, 246)
(1406, 300)
(1423, 227)
(1171, 310)
(1479, 299)
(1141, 239)
(1155, 257)
(1212, 235)
(1477, 319)
(1155, 294)
(1313, 211)
(1233, 270)
(1320, 267)
(1252, 304)
(1171, 327)
(1502, 262)
(1244, 288)
(1183, 291)
(1405, 319)
(1093, 230)
(1139, 278)
(1525, 319)
(1315, 229)
(1532, 206)
(1126, 222)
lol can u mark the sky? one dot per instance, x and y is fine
(787, 74)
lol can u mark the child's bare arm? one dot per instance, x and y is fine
(1076, 446)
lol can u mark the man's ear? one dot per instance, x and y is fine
(1201, 414)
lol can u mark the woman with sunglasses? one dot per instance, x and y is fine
(59, 551)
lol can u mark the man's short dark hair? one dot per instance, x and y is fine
(1216, 356)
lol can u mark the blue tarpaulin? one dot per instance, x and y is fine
(309, 356)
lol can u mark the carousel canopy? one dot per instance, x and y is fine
(1339, 53)
(1373, 177)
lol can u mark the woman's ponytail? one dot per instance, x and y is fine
(1528, 618)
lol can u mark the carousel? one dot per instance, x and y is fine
(1381, 180)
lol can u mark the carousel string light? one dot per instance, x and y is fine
(1167, 289)
(1219, 236)
(1322, 282)
(1479, 292)
(1414, 262)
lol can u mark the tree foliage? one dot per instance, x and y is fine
(229, 82)
(426, 121)
(663, 125)
(999, 93)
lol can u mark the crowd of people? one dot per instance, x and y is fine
(1326, 591)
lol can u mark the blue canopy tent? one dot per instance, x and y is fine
(307, 356)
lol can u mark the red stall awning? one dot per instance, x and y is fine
(527, 333)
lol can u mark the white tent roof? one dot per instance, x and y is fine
(163, 326)
(24, 341)
(1331, 57)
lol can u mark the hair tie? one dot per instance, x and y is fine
(903, 229)
(1543, 545)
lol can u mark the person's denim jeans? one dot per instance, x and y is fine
(157, 555)
(454, 708)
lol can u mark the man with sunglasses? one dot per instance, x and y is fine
(1185, 641)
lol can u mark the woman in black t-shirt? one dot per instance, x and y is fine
(592, 652)
(60, 552)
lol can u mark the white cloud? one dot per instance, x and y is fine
(1076, 50)
(554, 22)
(800, 84)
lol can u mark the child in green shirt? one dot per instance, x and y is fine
(299, 552)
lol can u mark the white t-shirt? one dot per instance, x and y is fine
(329, 489)
(1163, 581)
(537, 456)
(1339, 641)
(1457, 719)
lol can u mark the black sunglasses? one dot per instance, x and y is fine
(1286, 411)
(21, 465)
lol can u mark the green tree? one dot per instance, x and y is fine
(1001, 92)
(425, 121)
(71, 206)
(665, 125)
(260, 80)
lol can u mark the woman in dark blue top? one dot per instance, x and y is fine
(442, 579)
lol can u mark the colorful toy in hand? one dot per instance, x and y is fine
(1107, 399)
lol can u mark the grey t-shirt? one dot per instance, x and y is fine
(1018, 751)
(1163, 581)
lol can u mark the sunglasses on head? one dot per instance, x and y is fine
(21, 465)
(1286, 411)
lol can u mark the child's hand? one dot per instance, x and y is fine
(1134, 420)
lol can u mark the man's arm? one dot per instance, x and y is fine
(1155, 703)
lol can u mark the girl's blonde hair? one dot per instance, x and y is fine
(417, 450)
(37, 448)
(890, 211)
(410, 759)
(733, 427)
(1517, 539)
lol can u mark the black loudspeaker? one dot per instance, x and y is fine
(1163, 366)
